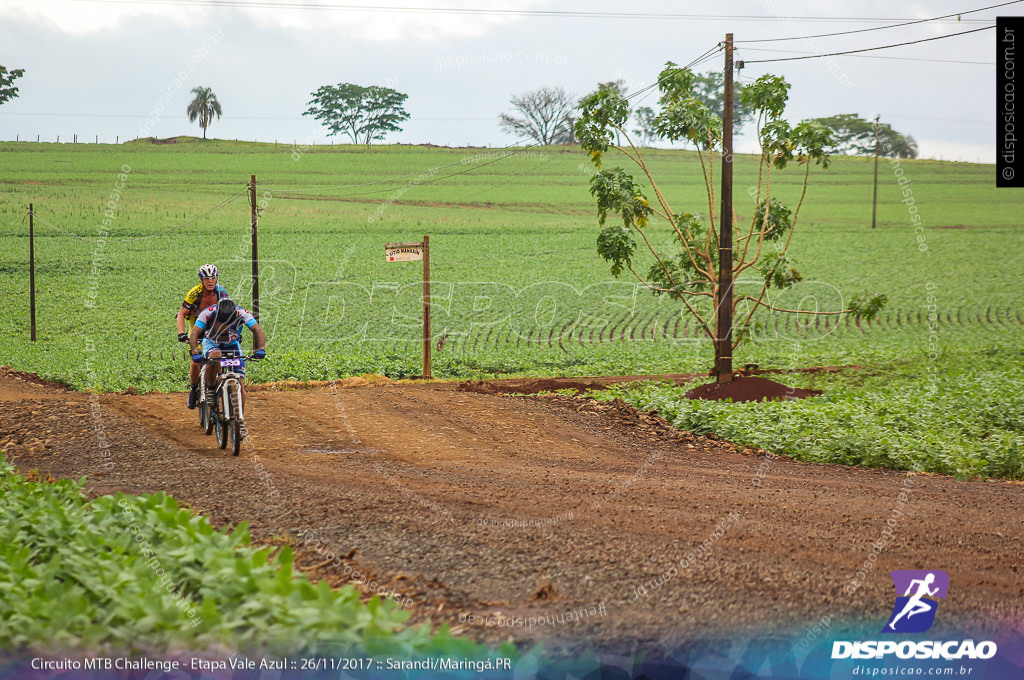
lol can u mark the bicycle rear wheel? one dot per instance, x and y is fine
(205, 419)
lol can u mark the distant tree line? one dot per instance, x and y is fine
(548, 116)
(855, 136)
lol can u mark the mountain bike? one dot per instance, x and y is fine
(220, 407)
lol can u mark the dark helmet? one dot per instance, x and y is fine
(226, 310)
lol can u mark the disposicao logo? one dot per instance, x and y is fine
(914, 611)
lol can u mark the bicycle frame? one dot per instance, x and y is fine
(224, 407)
(227, 380)
(230, 382)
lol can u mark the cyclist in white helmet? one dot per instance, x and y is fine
(207, 293)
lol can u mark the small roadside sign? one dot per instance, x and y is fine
(403, 252)
(410, 252)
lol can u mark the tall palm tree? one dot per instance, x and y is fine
(203, 107)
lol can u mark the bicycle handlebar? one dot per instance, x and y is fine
(247, 357)
(216, 362)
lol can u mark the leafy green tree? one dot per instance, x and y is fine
(7, 78)
(688, 268)
(709, 88)
(362, 113)
(646, 133)
(545, 116)
(856, 136)
(204, 106)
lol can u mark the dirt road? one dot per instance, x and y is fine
(546, 518)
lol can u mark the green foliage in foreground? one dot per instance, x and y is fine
(961, 415)
(139, 573)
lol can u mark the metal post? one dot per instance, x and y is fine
(255, 255)
(723, 339)
(32, 273)
(426, 306)
(874, 197)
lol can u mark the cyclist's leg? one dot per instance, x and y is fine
(211, 350)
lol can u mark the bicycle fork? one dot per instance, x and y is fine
(232, 398)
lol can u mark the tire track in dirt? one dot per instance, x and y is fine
(473, 493)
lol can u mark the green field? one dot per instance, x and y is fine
(518, 287)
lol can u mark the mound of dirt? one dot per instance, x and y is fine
(13, 378)
(749, 388)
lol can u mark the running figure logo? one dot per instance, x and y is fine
(913, 613)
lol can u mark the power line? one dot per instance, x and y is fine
(868, 49)
(193, 220)
(55, 227)
(706, 56)
(146, 115)
(879, 56)
(252, 4)
(163, 233)
(881, 28)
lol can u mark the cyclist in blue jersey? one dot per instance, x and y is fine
(221, 325)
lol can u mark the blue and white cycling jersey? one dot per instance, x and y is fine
(224, 333)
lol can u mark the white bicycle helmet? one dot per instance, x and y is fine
(208, 271)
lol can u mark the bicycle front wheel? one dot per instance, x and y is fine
(224, 422)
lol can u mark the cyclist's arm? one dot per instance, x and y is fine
(189, 307)
(259, 338)
(198, 327)
(193, 339)
(182, 313)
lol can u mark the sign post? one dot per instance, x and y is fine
(410, 252)
(32, 272)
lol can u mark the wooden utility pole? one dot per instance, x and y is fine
(874, 197)
(723, 339)
(32, 273)
(426, 306)
(255, 253)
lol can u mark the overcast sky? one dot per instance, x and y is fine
(102, 67)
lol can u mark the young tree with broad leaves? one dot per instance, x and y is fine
(545, 116)
(688, 269)
(204, 106)
(362, 113)
(7, 89)
(617, 86)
